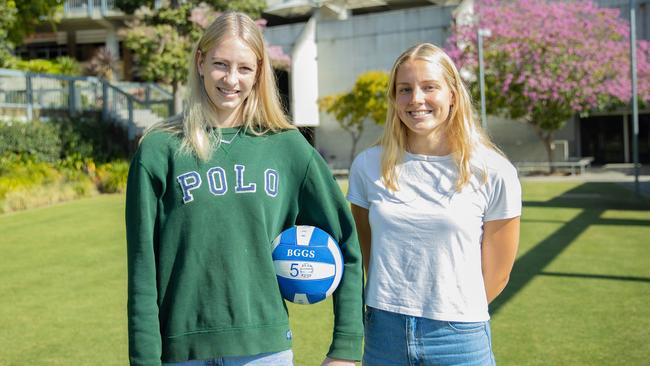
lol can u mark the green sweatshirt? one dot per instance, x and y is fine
(201, 281)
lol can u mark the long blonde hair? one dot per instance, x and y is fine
(261, 111)
(462, 129)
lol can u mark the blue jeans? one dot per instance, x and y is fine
(395, 339)
(284, 358)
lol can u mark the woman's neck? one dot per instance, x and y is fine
(432, 145)
(227, 119)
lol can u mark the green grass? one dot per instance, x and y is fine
(578, 295)
(580, 288)
(62, 280)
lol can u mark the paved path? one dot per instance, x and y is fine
(618, 173)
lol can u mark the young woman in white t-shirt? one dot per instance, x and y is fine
(437, 210)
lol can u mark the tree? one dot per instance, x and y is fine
(253, 8)
(161, 43)
(548, 60)
(29, 14)
(18, 19)
(8, 11)
(103, 64)
(367, 99)
(130, 6)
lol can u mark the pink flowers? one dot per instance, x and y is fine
(202, 15)
(279, 59)
(565, 53)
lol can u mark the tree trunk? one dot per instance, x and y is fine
(549, 152)
(547, 139)
(355, 140)
(355, 132)
(177, 90)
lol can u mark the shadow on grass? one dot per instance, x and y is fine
(593, 199)
(595, 276)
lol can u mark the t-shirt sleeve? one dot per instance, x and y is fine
(505, 195)
(357, 183)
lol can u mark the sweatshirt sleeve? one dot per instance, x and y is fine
(322, 204)
(142, 306)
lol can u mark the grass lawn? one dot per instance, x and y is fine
(580, 288)
(578, 295)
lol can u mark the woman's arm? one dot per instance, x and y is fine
(321, 204)
(360, 215)
(498, 252)
(145, 344)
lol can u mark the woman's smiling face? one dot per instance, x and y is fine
(229, 72)
(423, 97)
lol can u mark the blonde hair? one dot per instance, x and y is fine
(261, 111)
(462, 130)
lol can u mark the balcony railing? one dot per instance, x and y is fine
(135, 106)
(95, 8)
(90, 8)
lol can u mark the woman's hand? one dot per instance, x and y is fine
(336, 362)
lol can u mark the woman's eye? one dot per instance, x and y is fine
(220, 64)
(404, 90)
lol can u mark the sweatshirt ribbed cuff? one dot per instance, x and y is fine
(346, 347)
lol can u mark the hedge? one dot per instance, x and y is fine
(47, 162)
(60, 138)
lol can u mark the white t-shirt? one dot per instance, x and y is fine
(426, 238)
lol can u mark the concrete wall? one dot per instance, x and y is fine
(642, 13)
(519, 141)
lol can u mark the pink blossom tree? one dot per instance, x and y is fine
(548, 60)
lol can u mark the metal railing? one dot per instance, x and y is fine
(88, 7)
(94, 8)
(133, 105)
(137, 106)
(571, 165)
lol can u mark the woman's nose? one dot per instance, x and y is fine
(231, 77)
(417, 96)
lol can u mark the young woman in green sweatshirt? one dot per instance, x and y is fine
(207, 194)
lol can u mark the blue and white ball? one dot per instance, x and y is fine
(308, 264)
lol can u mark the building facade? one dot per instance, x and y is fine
(344, 42)
(85, 26)
(331, 42)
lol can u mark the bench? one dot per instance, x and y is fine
(573, 165)
(340, 173)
